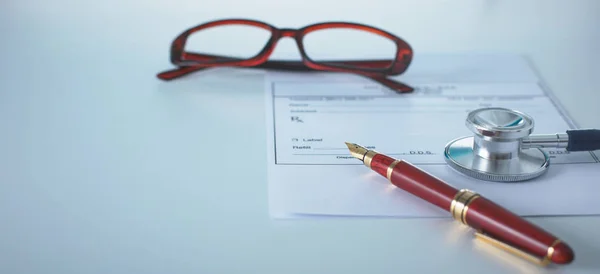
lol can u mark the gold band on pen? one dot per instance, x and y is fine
(390, 169)
(460, 204)
(549, 253)
(369, 157)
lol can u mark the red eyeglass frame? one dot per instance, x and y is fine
(377, 70)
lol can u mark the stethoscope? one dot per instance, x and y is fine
(504, 150)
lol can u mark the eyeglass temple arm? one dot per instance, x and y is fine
(283, 65)
(269, 64)
(184, 70)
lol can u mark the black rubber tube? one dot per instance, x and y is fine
(583, 139)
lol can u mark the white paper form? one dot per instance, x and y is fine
(309, 117)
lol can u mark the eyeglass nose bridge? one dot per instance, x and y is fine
(288, 32)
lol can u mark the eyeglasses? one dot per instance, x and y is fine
(258, 41)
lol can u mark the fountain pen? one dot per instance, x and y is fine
(492, 223)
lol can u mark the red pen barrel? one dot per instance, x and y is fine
(494, 220)
(414, 180)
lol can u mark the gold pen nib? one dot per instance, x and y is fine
(357, 151)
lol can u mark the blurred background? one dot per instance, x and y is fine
(559, 37)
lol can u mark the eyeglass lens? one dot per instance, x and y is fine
(327, 46)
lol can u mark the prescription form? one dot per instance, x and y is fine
(310, 116)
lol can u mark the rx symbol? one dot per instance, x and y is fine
(297, 119)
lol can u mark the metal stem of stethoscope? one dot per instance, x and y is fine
(490, 148)
(559, 140)
(502, 148)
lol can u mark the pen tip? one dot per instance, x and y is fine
(356, 151)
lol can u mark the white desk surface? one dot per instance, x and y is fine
(105, 169)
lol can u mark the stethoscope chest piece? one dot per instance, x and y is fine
(494, 152)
